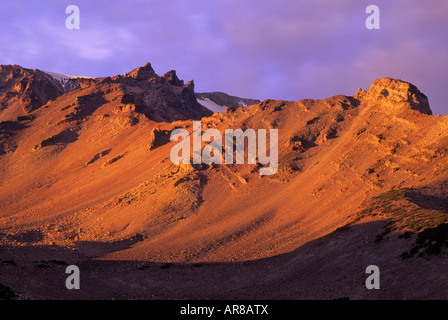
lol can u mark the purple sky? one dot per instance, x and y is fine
(282, 49)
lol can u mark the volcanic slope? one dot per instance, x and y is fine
(92, 166)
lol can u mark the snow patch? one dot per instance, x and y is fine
(242, 104)
(61, 78)
(67, 83)
(210, 105)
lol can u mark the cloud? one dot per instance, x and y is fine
(253, 48)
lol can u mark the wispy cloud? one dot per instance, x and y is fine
(254, 48)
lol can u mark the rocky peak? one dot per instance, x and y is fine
(172, 78)
(396, 95)
(24, 90)
(160, 98)
(142, 73)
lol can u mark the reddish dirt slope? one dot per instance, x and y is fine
(91, 171)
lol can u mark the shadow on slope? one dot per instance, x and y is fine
(327, 268)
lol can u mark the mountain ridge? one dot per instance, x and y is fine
(90, 171)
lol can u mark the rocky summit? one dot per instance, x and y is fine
(160, 98)
(25, 90)
(86, 179)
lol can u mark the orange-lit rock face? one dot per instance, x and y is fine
(93, 165)
(398, 95)
(25, 90)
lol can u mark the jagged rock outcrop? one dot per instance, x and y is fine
(158, 138)
(25, 90)
(161, 98)
(141, 73)
(172, 78)
(395, 96)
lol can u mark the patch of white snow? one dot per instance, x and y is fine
(212, 106)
